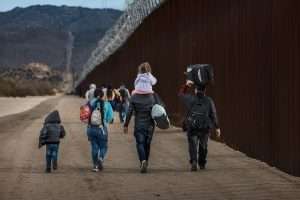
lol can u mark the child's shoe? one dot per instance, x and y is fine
(48, 170)
(54, 165)
(95, 169)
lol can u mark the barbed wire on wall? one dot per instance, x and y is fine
(115, 37)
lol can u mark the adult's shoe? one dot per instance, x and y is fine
(100, 164)
(144, 167)
(201, 166)
(194, 166)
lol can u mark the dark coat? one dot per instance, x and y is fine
(189, 100)
(52, 130)
(141, 105)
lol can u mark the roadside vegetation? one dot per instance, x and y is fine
(23, 88)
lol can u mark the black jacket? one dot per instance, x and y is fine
(189, 100)
(52, 130)
(141, 105)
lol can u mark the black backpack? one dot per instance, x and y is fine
(198, 116)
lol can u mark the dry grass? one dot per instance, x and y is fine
(22, 88)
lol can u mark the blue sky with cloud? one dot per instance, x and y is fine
(6, 5)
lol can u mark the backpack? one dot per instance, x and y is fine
(159, 114)
(198, 116)
(85, 113)
(96, 116)
(200, 74)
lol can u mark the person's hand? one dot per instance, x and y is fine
(218, 133)
(125, 130)
(189, 83)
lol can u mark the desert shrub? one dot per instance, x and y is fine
(7, 87)
(24, 88)
(45, 88)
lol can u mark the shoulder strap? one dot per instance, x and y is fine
(156, 100)
(102, 111)
(190, 110)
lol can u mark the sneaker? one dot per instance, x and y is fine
(54, 165)
(144, 166)
(147, 163)
(100, 164)
(201, 166)
(194, 167)
(95, 169)
(48, 170)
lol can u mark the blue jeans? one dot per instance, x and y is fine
(98, 138)
(143, 137)
(51, 154)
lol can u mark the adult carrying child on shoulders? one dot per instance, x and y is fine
(141, 104)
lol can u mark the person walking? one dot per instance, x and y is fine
(200, 119)
(141, 105)
(89, 95)
(97, 131)
(124, 102)
(50, 135)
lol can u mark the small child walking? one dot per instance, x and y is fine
(144, 80)
(50, 136)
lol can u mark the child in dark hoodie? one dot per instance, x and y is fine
(50, 135)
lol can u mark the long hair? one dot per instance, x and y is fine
(99, 94)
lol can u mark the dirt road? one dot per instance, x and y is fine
(230, 174)
(11, 105)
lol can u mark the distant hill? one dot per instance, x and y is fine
(46, 34)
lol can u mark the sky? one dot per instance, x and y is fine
(6, 5)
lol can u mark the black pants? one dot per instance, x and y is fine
(198, 146)
(143, 137)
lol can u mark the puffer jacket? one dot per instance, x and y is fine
(52, 130)
(141, 105)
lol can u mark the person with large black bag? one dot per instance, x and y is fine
(200, 119)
